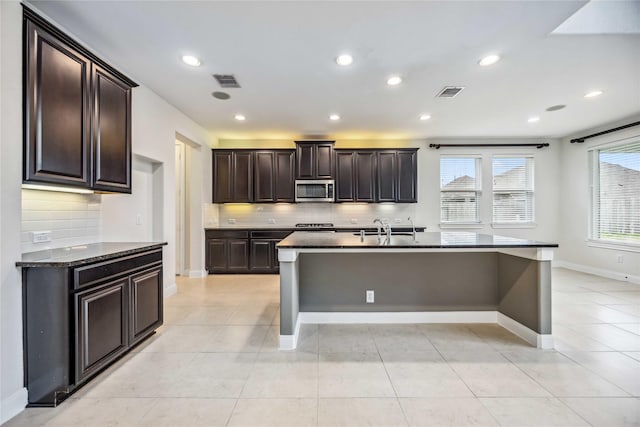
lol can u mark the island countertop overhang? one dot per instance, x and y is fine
(424, 240)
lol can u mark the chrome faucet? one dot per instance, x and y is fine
(387, 228)
(379, 224)
(413, 229)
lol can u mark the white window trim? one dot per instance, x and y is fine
(592, 154)
(514, 225)
(478, 191)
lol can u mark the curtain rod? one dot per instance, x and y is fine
(604, 132)
(539, 145)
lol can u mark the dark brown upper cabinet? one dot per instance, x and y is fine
(57, 104)
(77, 113)
(273, 176)
(388, 175)
(232, 176)
(407, 178)
(111, 132)
(355, 176)
(314, 160)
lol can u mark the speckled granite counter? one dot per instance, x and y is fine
(84, 254)
(440, 240)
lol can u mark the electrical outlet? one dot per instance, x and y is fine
(354, 220)
(272, 220)
(620, 259)
(41, 236)
(138, 219)
(231, 220)
(397, 220)
(370, 296)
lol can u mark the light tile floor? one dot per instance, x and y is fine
(215, 362)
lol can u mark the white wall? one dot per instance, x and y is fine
(575, 251)
(155, 126)
(12, 393)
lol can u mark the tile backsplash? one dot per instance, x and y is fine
(285, 214)
(72, 219)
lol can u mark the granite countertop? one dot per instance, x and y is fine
(440, 240)
(84, 254)
(250, 227)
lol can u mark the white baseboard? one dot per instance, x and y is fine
(544, 341)
(13, 405)
(170, 290)
(290, 342)
(194, 274)
(609, 274)
(400, 317)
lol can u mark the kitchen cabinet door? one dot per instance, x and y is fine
(407, 191)
(365, 176)
(314, 160)
(57, 106)
(242, 176)
(284, 175)
(146, 304)
(222, 176)
(345, 171)
(238, 255)
(216, 255)
(111, 132)
(261, 255)
(264, 185)
(101, 322)
(387, 176)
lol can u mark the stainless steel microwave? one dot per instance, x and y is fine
(315, 190)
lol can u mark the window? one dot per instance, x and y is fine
(513, 190)
(616, 194)
(459, 189)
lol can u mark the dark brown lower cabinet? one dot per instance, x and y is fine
(243, 251)
(78, 320)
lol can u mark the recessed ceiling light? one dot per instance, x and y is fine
(221, 95)
(240, 117)
(489, 60)
(533, 119)
(344, 59)
(394, 80)
(593, 94)
(334, 117)
(191, 60)
(425, 117)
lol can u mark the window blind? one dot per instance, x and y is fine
(513, 190)
(616, 201)
(459, 189)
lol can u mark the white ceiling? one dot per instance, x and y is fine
(283, 55)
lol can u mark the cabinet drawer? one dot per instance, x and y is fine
(88, 275)
(270, 234)
(227, 234)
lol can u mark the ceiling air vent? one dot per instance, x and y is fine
(450, 92)
(226, 80)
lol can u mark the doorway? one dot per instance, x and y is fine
(181, 207)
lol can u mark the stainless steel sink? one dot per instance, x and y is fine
(393, 233)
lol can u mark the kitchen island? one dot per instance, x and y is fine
(436, 277)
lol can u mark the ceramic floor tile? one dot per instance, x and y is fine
(353, 375)
(283, 375)
(261, 315)
(498, 337)
(237, 338)
(610, 335)
(394, 338)
(633, 354)
(181, 339)
(214, 375)
(453, 337)
(617, 368)
(562, 376)
(531, 411)
(345, 338)
(307, 340)
(423, 374)
(208, 315)
(446, 412)
(632, 296)
(607, 412)
(188, 412)
(634, 328)
(633, 309)
(491, 374)
(565, 338)
(274, 412)
(360, 412)
(102, 412)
